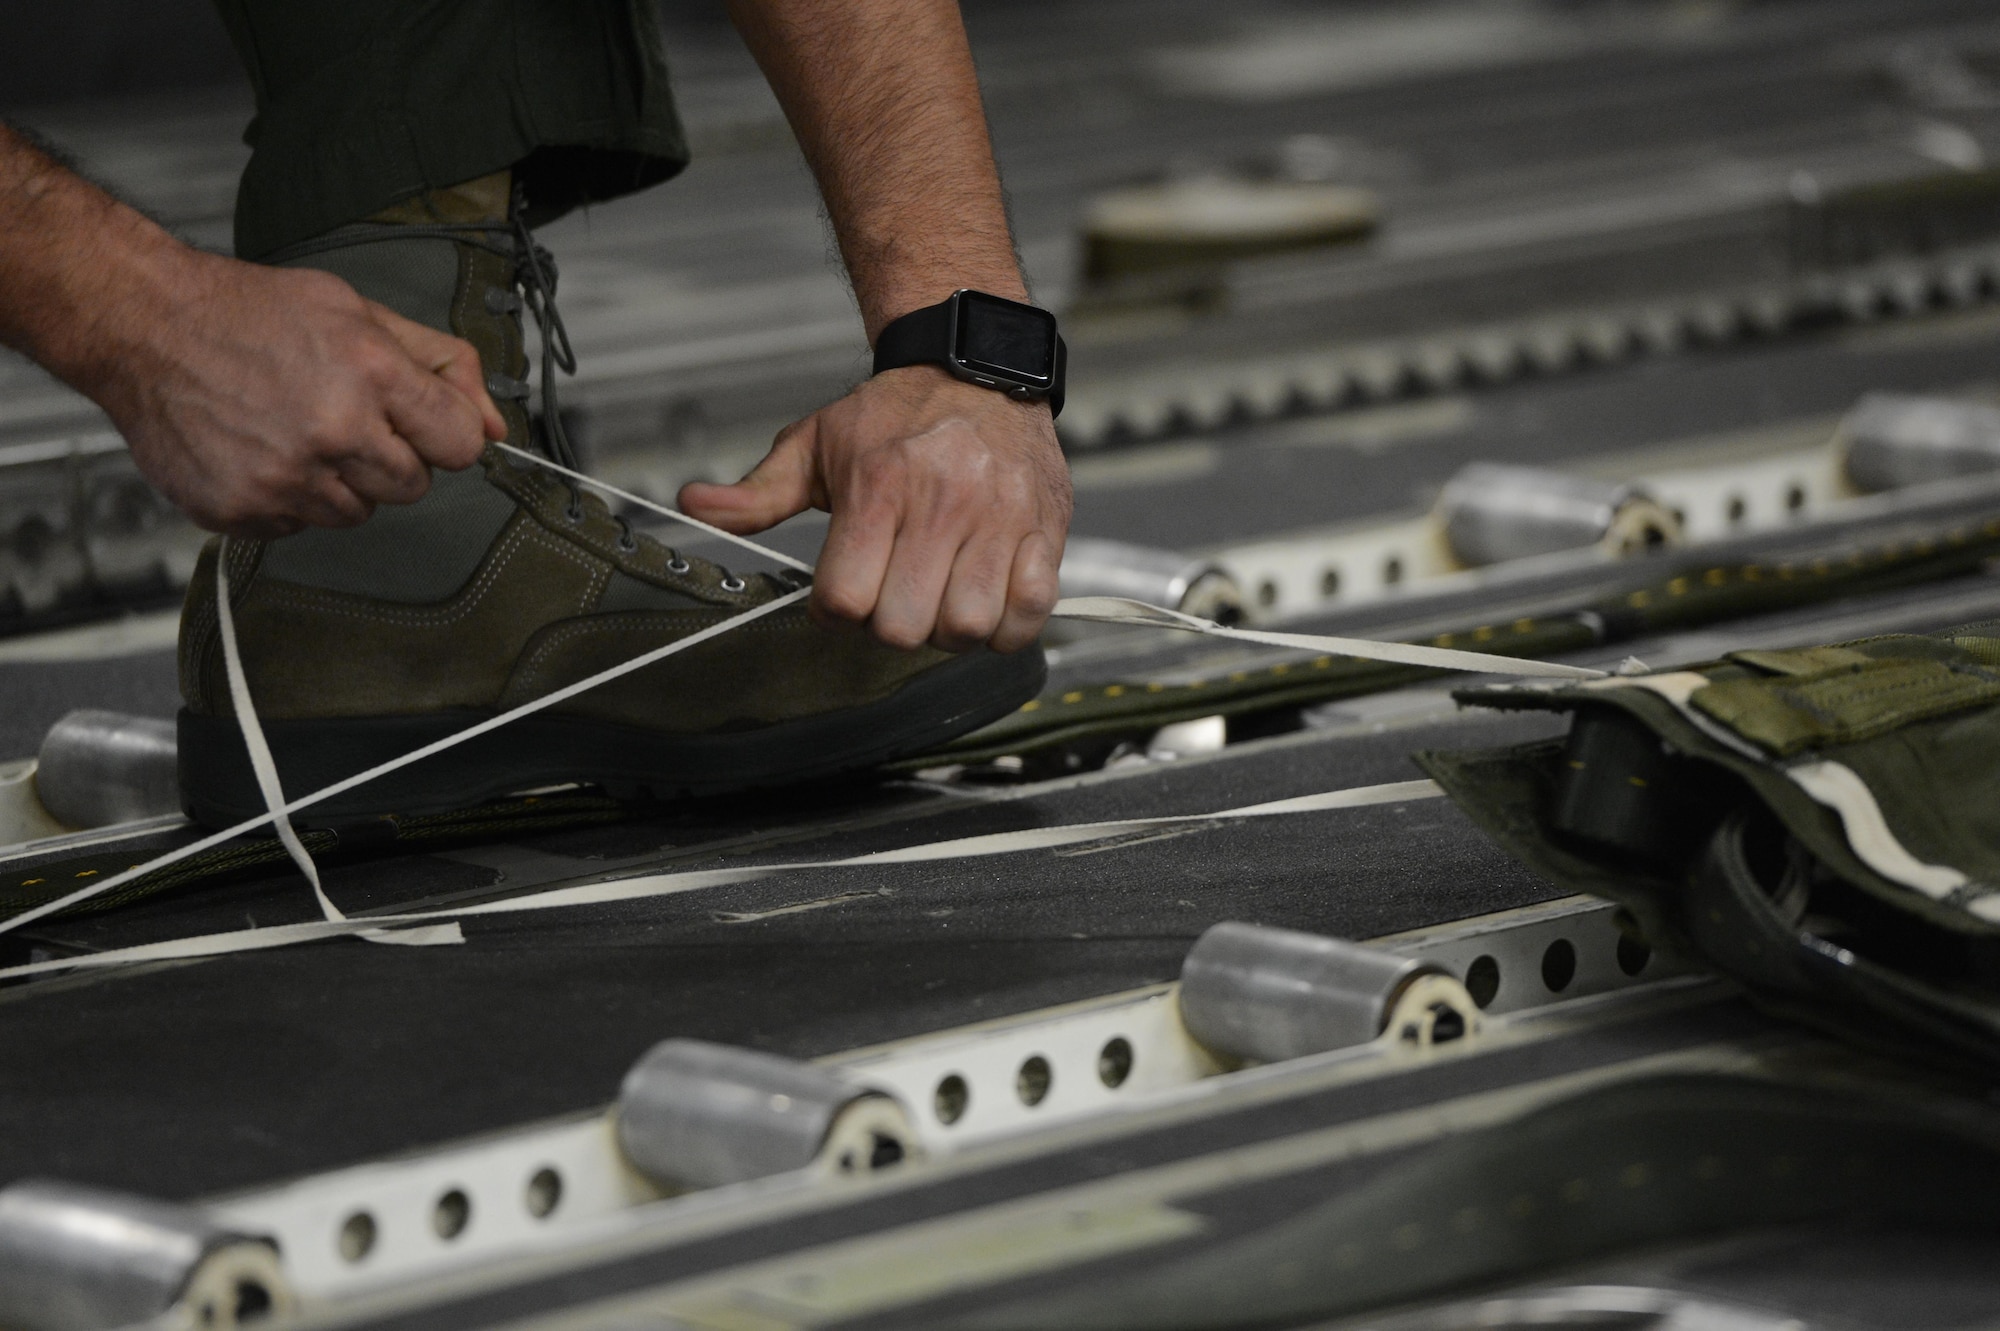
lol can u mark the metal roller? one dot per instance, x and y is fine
(1889, 441)
(1158, 577)
(82, 1259)
(697, 1115)
(1493, 513)
(1262, 994)
(98, 768)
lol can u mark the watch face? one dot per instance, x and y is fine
(1013, 342)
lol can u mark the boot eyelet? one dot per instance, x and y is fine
(677, 565)
(627, 544)
(574, 513)
(732, 583)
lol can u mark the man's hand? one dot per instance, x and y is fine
(279, 398)
(260, 400)
(949, 501)
(949, 506)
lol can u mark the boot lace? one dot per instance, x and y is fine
(678, 564)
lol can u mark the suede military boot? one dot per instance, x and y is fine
(505, 583)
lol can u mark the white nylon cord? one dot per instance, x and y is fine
(672, 884)
(1118, 610)
(346, 784)
(1111, 610)
(673, 513)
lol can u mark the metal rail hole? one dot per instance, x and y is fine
(950, 1099)
(1482, 980)
(1633, 955)
(544, 1193)
(1267, 593)
(1329, 583)
(357, 1236)
(1031, 1083)
(451, 1214)
(1392, 570)
(1558, 965)
(1114, 1062)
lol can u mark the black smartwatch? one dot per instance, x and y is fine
(998, 344)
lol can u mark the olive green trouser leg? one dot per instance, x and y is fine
(365, 103)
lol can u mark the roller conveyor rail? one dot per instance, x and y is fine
(1180, 998)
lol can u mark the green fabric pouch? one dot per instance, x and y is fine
(1822, 825)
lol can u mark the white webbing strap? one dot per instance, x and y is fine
(646, 886)
(254, 742)
(268, 784)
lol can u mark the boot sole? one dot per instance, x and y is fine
(218, 786)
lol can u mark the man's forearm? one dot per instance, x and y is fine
(71, 259)
(884, 100)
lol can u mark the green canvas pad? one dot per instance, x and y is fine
(1822, 825)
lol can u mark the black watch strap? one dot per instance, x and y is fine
(923, 337)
